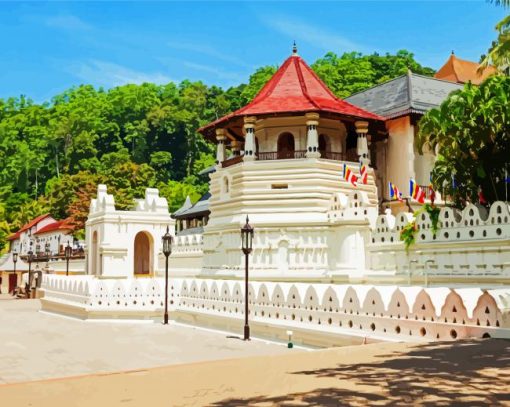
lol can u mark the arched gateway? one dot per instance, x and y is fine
(143, 254)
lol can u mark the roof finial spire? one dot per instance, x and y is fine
(453, 52)
(294, 49)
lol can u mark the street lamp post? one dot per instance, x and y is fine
(247, 246)
(67, 253)
(30, 258)
(14, 261)
(167, 250)
(48, 254)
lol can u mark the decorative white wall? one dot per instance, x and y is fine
(395, 313)
(470, 246)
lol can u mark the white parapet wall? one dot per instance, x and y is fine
(320, 314)
(469, 247)
(187, 256)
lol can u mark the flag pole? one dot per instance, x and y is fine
(506, 184)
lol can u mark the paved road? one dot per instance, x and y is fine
(469, 373)
(35, 345)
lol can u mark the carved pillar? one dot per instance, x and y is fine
(249, 142)
(236, 147)
(312, 137)
(220, 151)
(362, 145)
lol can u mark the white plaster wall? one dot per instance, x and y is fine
(400, 153)
(116, 231)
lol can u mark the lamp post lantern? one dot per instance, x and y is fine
(247, 246)
(167, 250)
(67, 253)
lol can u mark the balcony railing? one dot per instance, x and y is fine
(284, 155)
(281, 155)
(331, 155)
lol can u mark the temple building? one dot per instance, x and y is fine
(327, 259)
(402, 102)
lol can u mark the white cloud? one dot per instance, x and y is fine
(306, 33)
(210, 69)
(67, 22)
(209, 51)
(109, 74)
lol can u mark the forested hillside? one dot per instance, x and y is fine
(52, 155)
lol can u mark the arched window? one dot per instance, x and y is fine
(286, 146)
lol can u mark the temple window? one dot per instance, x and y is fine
(286, 146)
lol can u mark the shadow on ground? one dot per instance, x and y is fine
(468, 373)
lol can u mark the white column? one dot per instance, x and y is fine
(250, 147)
(220, 150)
(362, 144)
(312, 137)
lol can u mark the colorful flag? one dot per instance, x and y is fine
(454, 183)
(394, 192)
(349, 175)
(363, 171)
(416, 192)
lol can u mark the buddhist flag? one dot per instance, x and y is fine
(394, 192)
(363, 171)
(349, 176)
(416, 192)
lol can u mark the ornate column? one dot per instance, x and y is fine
(362, 145)
(312, 138)
(250, 148)
(220, 151)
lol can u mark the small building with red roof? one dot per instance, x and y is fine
(40, 233)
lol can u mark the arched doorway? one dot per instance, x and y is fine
(143, 254)
(286, 146)
(324, 145)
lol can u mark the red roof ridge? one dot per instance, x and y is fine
(302, 80)
(58, 225)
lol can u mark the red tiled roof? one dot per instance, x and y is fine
(59, 225)
(462, 71)
(14, 236)
(27, 226)
(295, 88)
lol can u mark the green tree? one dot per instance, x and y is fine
(471, 133)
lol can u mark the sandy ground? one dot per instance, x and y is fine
(36, 345)
(462, 373)
(467, 373)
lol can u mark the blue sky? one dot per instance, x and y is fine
(49, 47)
